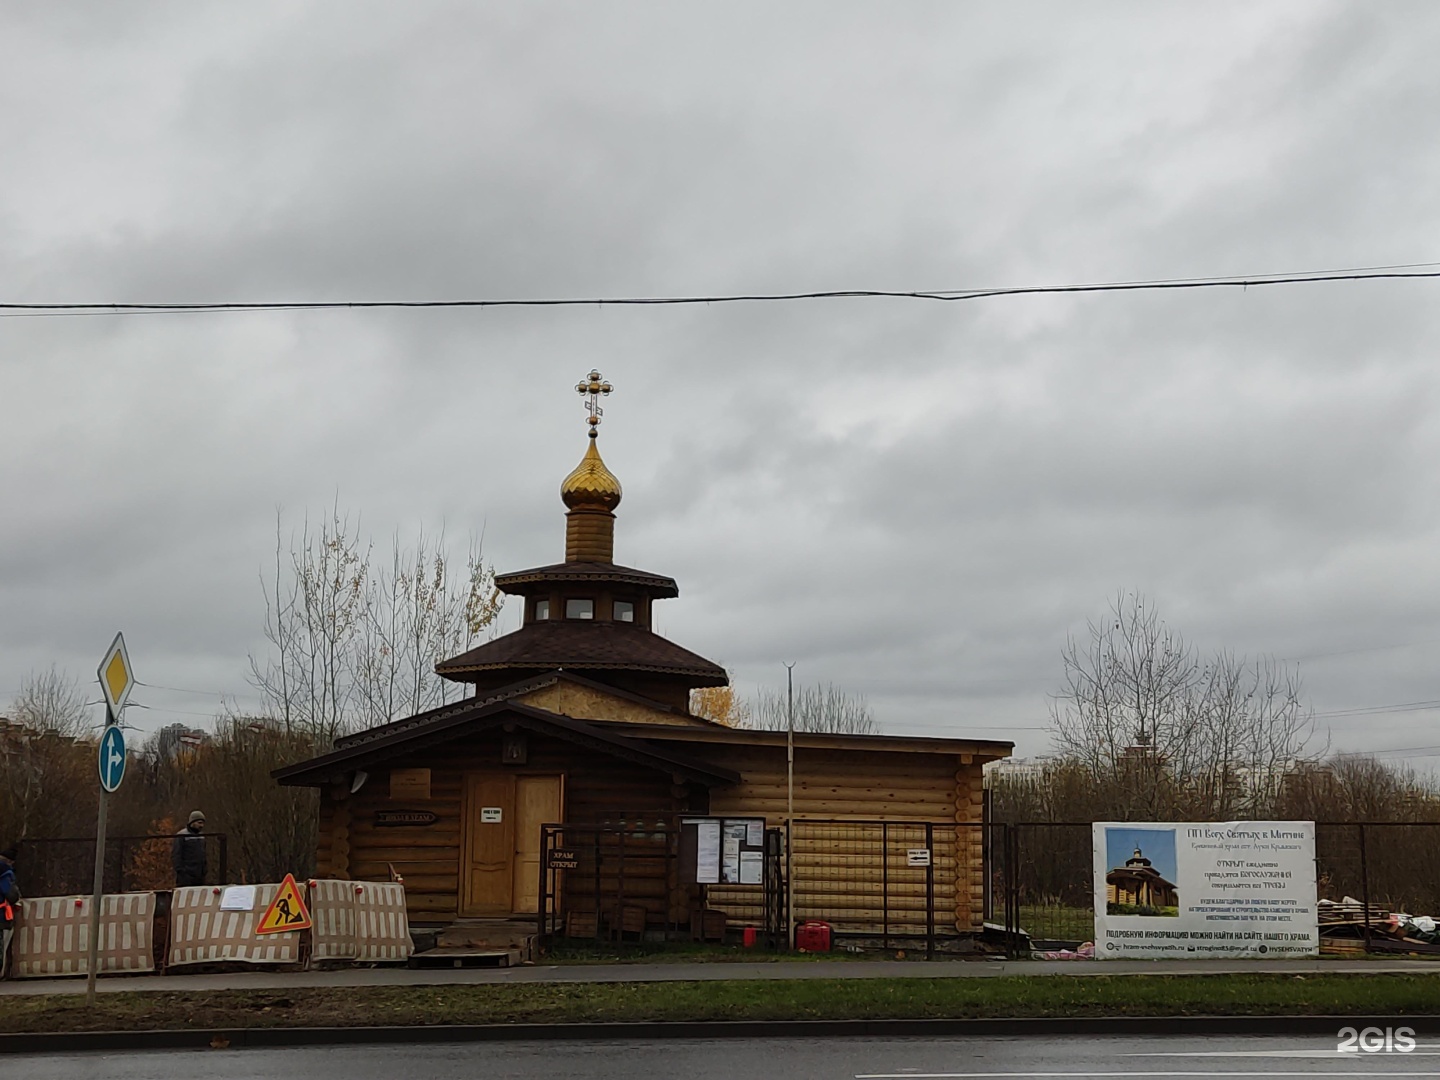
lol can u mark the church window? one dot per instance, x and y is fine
(624, 611)
(580, 609)
(542, 610)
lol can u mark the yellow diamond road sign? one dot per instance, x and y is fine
(116, 677)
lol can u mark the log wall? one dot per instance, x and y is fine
(847, 875)
(842, 873)
(353, 845)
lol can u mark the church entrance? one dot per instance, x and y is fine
(500, 841)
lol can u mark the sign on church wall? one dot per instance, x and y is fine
(1205, 889)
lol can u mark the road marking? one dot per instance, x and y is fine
(1347, 1054)
(1126, 1074)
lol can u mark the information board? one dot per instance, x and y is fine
(723, 851)
(1205, 889)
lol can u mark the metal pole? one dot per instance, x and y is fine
(544, 904)
(98, 888)
(885, 883)
(1364, 882)
(930, 892)
(790, 803)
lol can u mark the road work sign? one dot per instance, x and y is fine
(286, 912)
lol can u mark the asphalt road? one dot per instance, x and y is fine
(1084, 1058)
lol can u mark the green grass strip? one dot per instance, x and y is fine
(798, 999)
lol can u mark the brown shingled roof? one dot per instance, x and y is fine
(585, 645)
(657, 585)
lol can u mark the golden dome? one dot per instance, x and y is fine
(591, 485)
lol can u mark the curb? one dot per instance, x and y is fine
(236, 1038)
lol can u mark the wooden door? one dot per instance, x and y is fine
(486, 873)
(538, 801)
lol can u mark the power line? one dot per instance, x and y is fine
(1393, 750)
(1398, 271)
(1367, 710)
(183, 690)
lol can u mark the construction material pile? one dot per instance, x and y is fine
(1347, 924)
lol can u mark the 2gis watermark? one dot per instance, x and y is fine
(1375, 1040)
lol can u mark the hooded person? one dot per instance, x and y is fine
(9, 901)
(188, 853)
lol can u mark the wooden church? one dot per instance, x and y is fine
(582, 717)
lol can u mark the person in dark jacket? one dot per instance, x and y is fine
(9, 902)
(188, 853)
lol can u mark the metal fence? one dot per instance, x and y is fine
(938, 885)
(623, 882)
(65, 866)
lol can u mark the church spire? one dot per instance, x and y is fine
(591, 491)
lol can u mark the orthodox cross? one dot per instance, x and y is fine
(591, 388)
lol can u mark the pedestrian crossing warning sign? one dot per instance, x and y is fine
(286, 912)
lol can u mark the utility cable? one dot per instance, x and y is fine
(1399, 271)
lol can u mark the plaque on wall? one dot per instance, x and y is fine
(405, 817)
(408, 784)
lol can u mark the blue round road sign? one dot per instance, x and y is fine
(112, 757)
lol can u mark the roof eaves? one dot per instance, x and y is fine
(338, 762)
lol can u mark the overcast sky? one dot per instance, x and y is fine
(915, 500)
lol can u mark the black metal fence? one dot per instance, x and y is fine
(890, 883)
(623, 882)
(65, 866)
(939, 885)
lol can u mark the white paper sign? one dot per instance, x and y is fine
(730, 862)
(752, 868)
(238, 898)
(755, 834)
(490, 815)
(917, 856)
(707, 855)
(1205, 889)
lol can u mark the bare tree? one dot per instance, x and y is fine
(1163, 732)
(51, 701)
(44, 759)
(353, 646)
(414, 617)
(817, 708)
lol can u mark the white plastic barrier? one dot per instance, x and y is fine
(200, 933)
(332, 908)
(359, 920)
(52, 935)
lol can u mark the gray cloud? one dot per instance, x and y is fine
(916, 501)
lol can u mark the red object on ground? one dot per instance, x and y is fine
(813, 937)
(749, 937)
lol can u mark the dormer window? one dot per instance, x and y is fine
(624, 611)
(579, 609)
(542, 610)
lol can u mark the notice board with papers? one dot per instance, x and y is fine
(722, 851)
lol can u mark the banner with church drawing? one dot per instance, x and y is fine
(1205, 889)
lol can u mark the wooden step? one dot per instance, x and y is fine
(460, 957)
(461, 936)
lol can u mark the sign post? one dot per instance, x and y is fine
(116, 682)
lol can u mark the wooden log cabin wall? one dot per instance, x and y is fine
(581, 717)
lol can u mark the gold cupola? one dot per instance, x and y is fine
(591, 484)
(591, 492)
